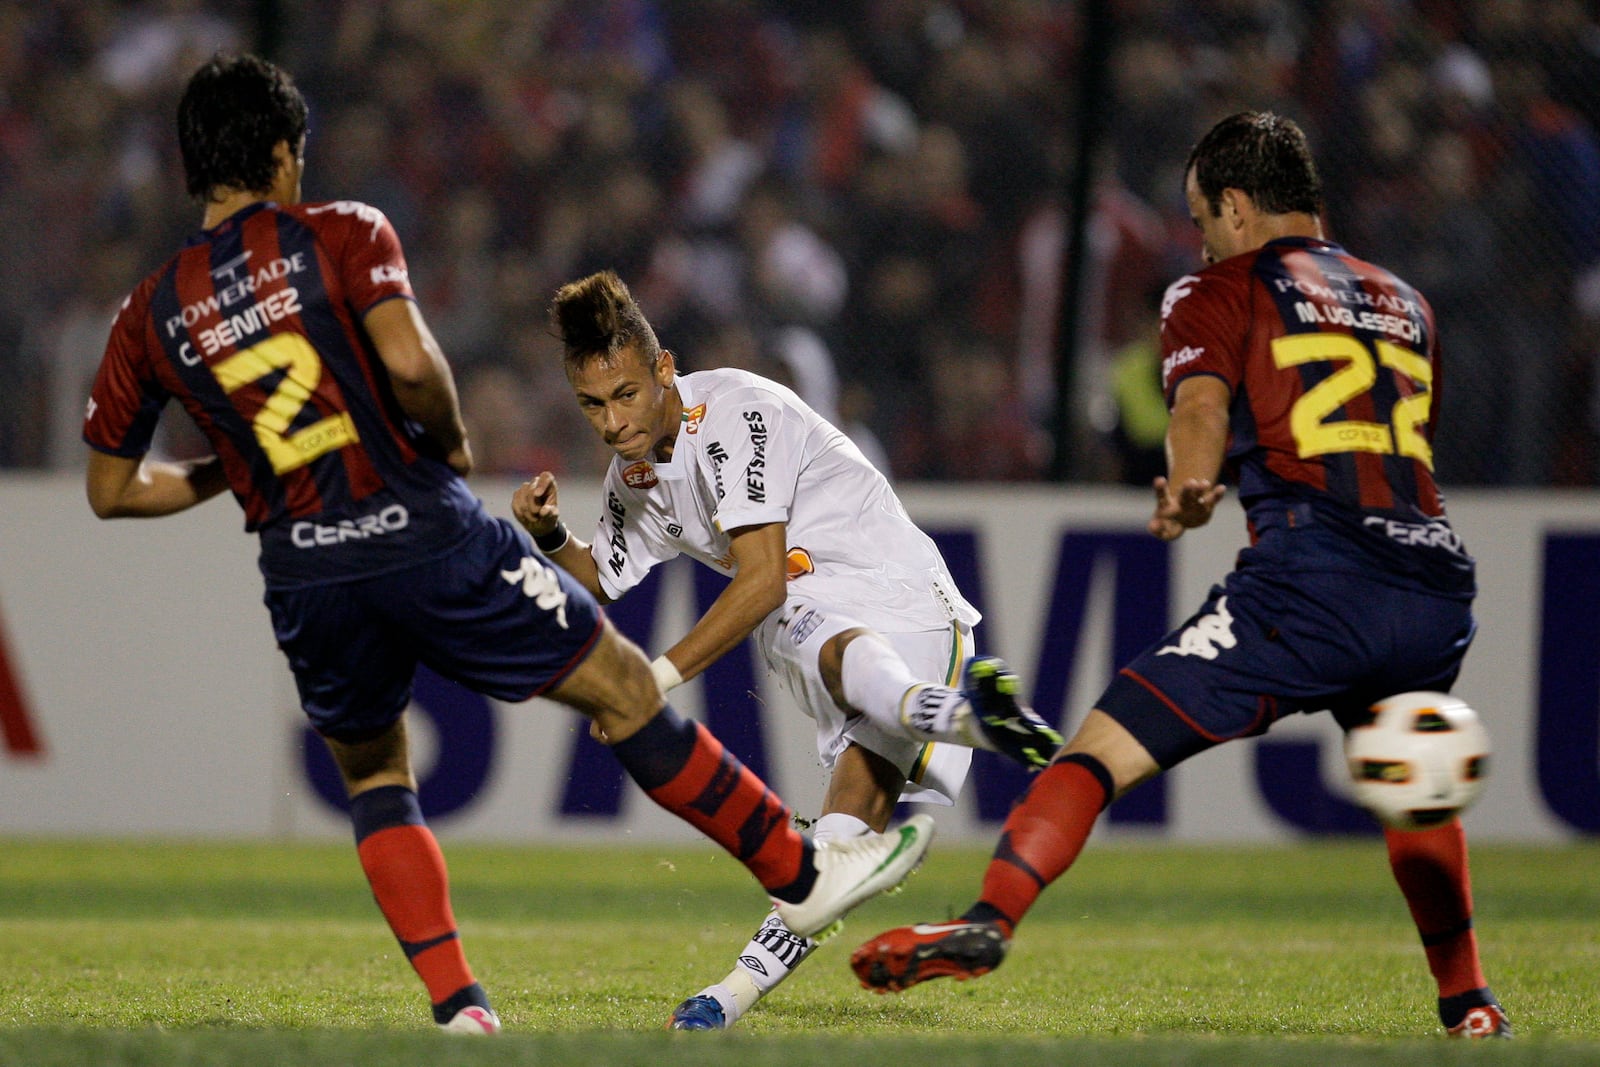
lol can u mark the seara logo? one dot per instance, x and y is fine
(16, 722)
(640, 475)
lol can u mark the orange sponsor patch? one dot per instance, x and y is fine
(799, 563)
(640, 476)
(692, 417)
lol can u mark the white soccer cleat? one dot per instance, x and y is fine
(472, 1019)
(854, 869)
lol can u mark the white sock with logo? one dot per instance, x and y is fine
(774, 952)
(878, 684)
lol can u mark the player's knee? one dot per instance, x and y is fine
(613, 686)
(830, 659)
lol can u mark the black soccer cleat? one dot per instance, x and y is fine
(1009, 728)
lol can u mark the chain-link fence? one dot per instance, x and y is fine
(875, 201)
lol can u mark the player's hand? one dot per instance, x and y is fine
(1190, 505)
(535, 504)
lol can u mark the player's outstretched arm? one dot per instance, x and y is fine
(758, 588)
(1197, 438)
(536, 505)
(423, 384)
(135, 487)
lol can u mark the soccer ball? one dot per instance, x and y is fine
(1420, 761)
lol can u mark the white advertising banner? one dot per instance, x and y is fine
(141, 691)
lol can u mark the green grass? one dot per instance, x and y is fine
(242, 954)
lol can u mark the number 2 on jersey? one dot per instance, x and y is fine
(1316, 434)
(302, 367)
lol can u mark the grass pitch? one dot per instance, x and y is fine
(198, 954)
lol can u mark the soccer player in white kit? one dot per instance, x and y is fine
(853, 607)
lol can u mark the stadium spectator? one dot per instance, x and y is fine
(850, 603)
(289, 332)
(1349, 535)
(536, 105)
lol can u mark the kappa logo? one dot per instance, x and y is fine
(541, 585)
(640, 476)
(365, 212)
(693, 418)
(798, 564)
(1207, 636)
(1176, 292)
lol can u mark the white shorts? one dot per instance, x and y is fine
(791, 640)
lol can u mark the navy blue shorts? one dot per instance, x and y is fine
(1269, 643)
(492, 614)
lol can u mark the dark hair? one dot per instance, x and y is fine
(1265, 155)
(597, 316)
(234, 110)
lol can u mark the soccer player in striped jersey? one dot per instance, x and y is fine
(1311, 377)
(289, 332)
(850, 603)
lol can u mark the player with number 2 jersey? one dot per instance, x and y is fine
(288, 332)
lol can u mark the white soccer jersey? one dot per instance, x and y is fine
(750, 451)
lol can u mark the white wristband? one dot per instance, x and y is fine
(667, 676)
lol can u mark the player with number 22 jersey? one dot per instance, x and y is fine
(1335, 363)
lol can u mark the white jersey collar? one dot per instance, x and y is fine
(677, 468)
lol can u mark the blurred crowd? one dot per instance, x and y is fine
(867, 200)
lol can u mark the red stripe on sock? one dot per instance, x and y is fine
(695, 774)
(774, 859)
(1042, 837)
(407, 873)
(1431, 868)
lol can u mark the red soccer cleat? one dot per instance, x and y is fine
(900, 958)
(1485, 1020)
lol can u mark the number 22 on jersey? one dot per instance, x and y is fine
(302, 367)
(1317, 433)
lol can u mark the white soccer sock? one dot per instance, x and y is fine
(774, 952)
(877, 683)
(770, 957)
(838, 826)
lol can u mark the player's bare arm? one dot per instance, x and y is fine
(136, 487)
(757, 590)
(1197, 437)
(421, 377)
(536, 505)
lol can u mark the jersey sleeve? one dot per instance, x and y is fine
(764, 441)
(626, 543)
(371, 262)
(126, 399)
(1204, 320)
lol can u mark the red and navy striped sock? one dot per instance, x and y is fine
(1431, 867)
(1042, 837)
(407, 873)
(685, 769)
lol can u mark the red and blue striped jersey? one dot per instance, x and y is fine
(255, 327)
(1334, 369)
